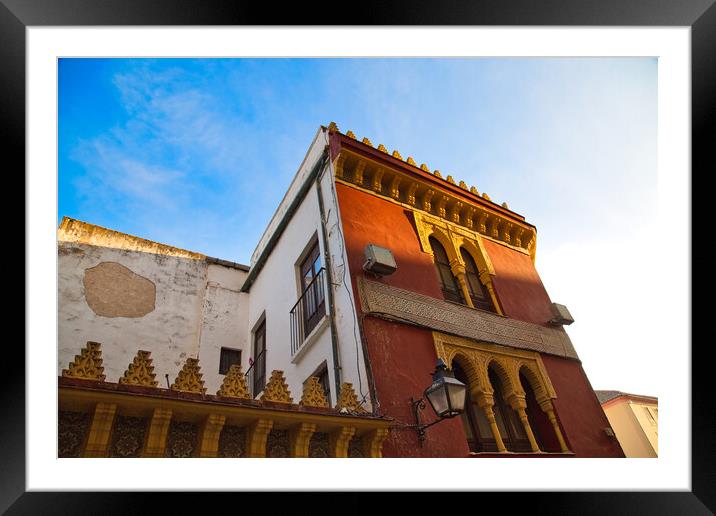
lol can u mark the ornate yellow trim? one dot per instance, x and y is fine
(234, 384)
(210, 433)
(373, 442)
(189, 378)
(477, 358)
(256, 438)
(100, 431)
(156, 439)
(453, 237)
(349, 400)
(313, 395)
(140, 371)
(276, 389)
(340, 440)
(300, 439)
(88, 364)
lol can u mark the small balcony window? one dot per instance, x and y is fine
(311, 305)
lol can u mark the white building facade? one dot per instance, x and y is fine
(291, 310)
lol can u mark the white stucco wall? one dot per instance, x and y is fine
(277, 288)
(191, 317)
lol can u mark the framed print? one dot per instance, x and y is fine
(511, 404)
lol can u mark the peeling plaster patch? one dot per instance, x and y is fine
(113, 290)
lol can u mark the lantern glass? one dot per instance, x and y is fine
(438, 397)
(447, 396)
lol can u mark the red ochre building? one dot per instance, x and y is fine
(465, 290)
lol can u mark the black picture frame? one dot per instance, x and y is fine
(699, 15)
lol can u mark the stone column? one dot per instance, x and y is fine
(100, 431)
(548, 409)
(486, 280)
(486, 402)
(373, 442)
(210, 433)
(256, 438)
(157, 435)
(339, 441)
(458, 270)
(519, 405)
(300, 439)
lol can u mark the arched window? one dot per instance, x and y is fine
(478, 293)
(511, 429)
(448, 283)
(477, 427)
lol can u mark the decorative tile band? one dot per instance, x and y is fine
(403, 305)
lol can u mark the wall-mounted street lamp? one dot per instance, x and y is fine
(446, 396)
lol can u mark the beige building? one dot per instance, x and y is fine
(635, 420)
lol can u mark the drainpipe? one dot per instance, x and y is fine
(329, 277)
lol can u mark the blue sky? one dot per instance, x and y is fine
(197, 153)
(187, 152)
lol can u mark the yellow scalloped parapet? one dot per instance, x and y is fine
(411, 161)
(313, 395)
(234, 384)
(276, 389)
(348, 399)
(189, 378)
(88, 364)
(140, 371)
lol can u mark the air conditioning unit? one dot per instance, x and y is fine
(379, 260)
(561, 315)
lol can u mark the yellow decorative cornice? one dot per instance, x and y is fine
(476, 357)
(437, 174)
(410, 160)
(349, 400)
(276, 389)
(234, 384)
(88, 364)
(189, 378)
(140, 371)
(211, 416)
(313, 395)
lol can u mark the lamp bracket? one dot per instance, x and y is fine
(418, 405)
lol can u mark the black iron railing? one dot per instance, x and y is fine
(308, 310)
(256, 374)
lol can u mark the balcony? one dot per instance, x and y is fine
(308, 311)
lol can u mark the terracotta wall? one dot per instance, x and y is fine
(579, 411)
(518, 285)
(402, 357)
